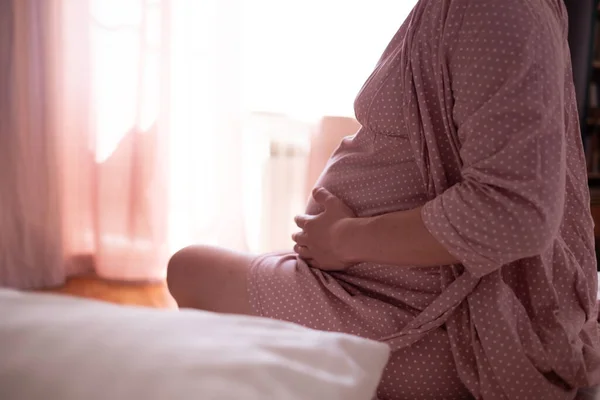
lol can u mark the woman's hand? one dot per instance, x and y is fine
(319, 243)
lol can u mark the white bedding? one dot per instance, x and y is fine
(60, 348)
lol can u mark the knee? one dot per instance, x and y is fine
(187, 264)
(178, 268)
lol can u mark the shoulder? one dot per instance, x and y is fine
(504, 10)
(515, 29)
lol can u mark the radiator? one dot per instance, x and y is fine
(284, 182)
(285, 142)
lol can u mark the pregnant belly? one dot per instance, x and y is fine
(377, 175)
(373, 176)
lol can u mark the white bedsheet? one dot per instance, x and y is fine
(59, 348)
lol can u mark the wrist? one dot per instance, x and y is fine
(347, 240)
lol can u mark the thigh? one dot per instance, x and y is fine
(211, 279)
(426, 370)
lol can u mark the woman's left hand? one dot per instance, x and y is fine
(319, 243)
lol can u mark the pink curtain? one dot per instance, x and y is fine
(30, 223)
(74, 198)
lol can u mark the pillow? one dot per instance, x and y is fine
(56, 347)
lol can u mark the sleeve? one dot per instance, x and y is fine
(507, 68)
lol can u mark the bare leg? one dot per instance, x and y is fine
(210, 278)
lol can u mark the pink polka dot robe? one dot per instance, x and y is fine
(470, 113)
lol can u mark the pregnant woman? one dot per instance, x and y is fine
(454, 226)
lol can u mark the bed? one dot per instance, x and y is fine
(56, 347)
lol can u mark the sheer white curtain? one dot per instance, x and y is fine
(206, 186)
(131, 128)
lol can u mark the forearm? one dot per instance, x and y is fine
(399, 238)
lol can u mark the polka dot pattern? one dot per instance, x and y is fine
(470, 113)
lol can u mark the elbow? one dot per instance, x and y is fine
(486, 228)
(535, 234)
(542, 240)
(528, 221)
(529, 238)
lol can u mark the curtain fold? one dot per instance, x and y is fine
(121, 136)
(83, 149)
(30, 226)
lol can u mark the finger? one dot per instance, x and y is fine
(301, 220)
(323, 196)
(300, 237)
(302, 251)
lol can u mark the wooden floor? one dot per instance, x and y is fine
(154, 295)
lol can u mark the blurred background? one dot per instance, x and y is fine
(132, 128)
